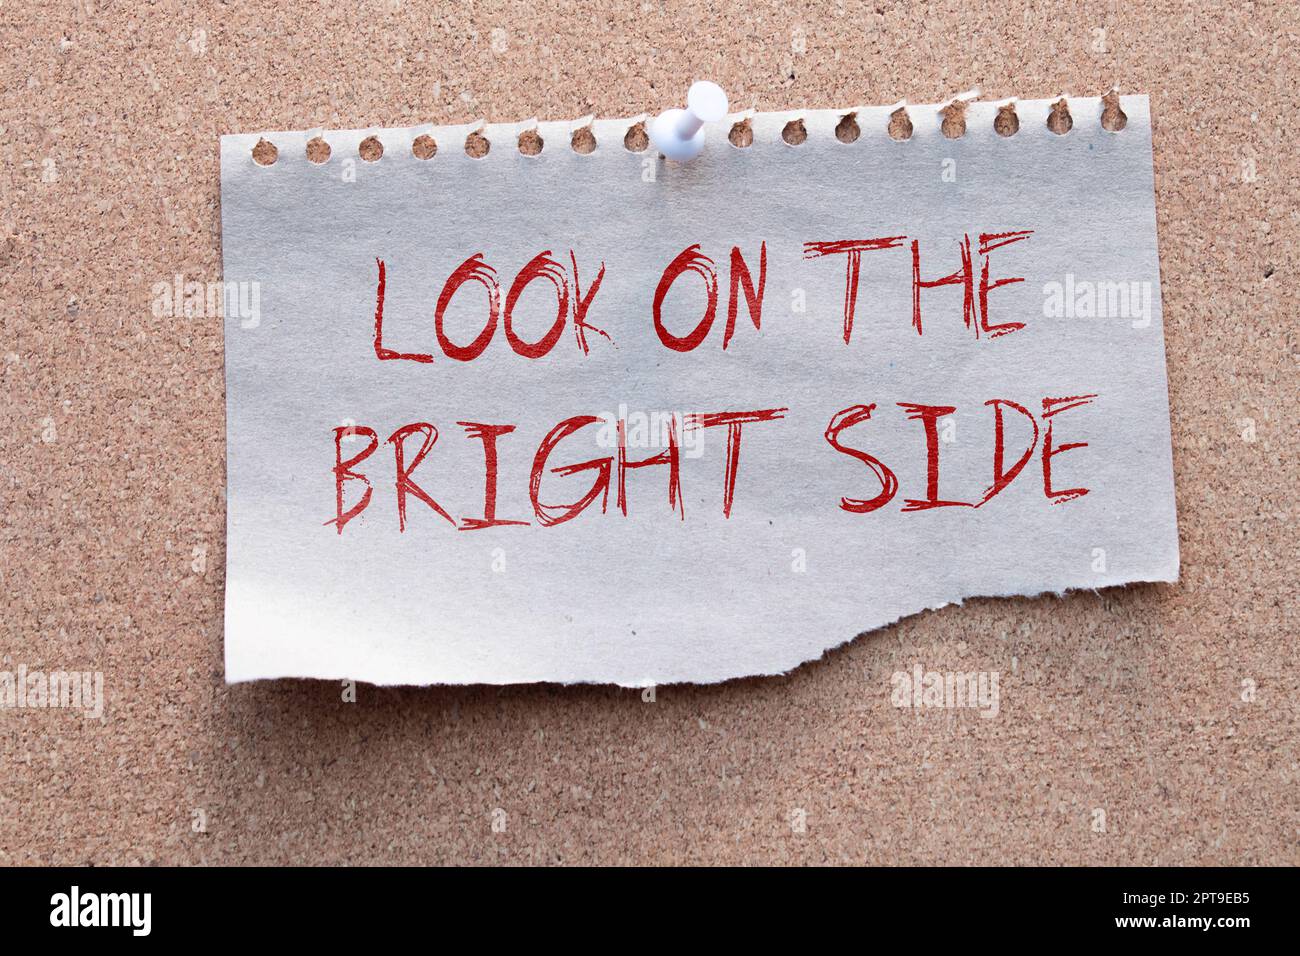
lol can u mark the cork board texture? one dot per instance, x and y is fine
(1142, 725)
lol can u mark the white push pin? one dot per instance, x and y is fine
(679, 134)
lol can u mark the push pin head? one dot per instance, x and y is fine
(679, 134)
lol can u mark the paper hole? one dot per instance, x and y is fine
(900, 124)
(476, 145)
(265, 153)
(530, 142)
(424, 147)
(1059, 121)
(371, 149)
(847, 130)
(742, 134)
(583, 141)
(318, 151)
(1112, 117)
(954, 120)
(1006, 123)
(637, 139)
(795, 132)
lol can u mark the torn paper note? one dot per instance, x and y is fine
(594, 416)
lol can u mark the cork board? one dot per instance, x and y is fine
(1152, 724)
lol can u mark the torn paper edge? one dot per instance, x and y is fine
(1170, 577)
(926, 120)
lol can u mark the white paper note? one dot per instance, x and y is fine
(787, 475)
